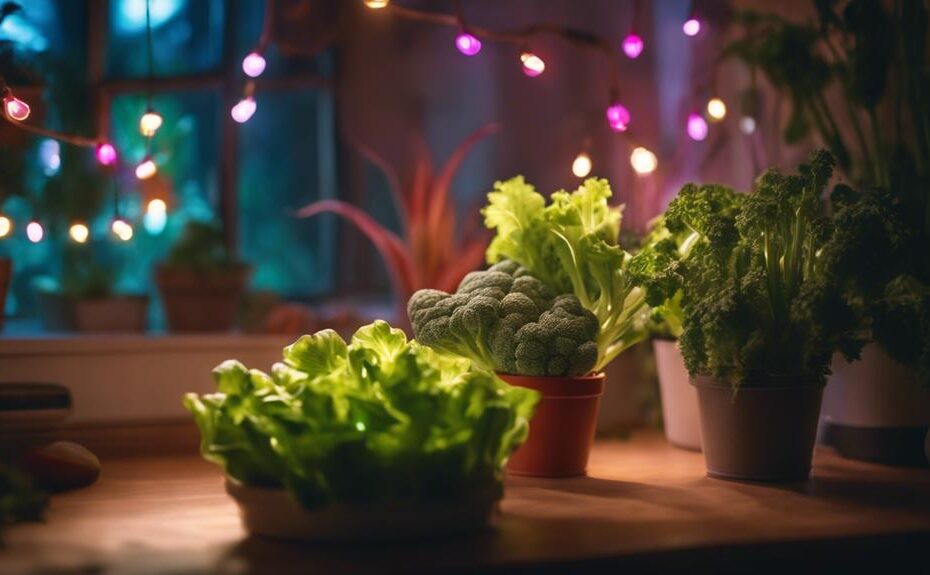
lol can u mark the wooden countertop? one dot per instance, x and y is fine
(644, 505)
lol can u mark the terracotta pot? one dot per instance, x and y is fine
(876, 409)
(57, 311)
(679, 398)
(123, 313)
(201, 302)
(6, 277)
(562, 429)
(274, 513)
(761, 433)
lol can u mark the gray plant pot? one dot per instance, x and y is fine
(761, 433)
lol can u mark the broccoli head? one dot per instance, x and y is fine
(506, 320)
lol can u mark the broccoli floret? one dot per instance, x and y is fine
(507, 320)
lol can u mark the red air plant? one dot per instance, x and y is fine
(429, 252)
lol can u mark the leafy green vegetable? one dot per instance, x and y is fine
(874, 253)
(571, 245)
(760, 304)
(506, 320)
(20, 500)
(380, 418)
(696, 217)
(202, 248)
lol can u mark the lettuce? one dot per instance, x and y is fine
(380, 418)
(572, 246)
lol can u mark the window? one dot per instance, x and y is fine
(283, 158)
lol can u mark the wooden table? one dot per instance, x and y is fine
(645, 505)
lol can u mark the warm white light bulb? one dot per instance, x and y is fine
(533, 65)
(643, 161)
(581, 167)
(146, 169)
(6, 226)
(35, 232)
(716, 109)
(149, 123)
(157, 206)
(377, 4)
(121, 229)
(79, 233)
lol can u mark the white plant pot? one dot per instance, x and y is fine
(679, 398)
(876, 409)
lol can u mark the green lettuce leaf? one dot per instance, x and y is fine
(380, 418)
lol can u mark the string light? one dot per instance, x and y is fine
(6, 226)
(253, 64)
(533, 65)
(581, 167)
(716, 109)
(643, 161)
(121, 229)
(244, 110)
(35, 232)
(467, 44)
(377, 4)
(79, 233)
(632, 45)
(15, 108)
(747, 125)
(150, 122)
(156, 216)
(691, 27)
(106, 154)
(618, 117)
(697, 127)
(146, 169)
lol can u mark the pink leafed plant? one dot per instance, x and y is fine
(429, 251)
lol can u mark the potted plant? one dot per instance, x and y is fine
(762, 320)
(583, 311)
(854, 75)
(83, 299)
(684, 231)
(378, 438)
(201, 283)
(882, 263)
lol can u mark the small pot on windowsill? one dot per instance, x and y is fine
(103, 314)
(562, 428)
(680, 415)
(201, 301)
(112, 314)
(765, 431)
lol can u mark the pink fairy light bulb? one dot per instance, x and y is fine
(35, 232)
(632, 46)
(15, 108)
(691, 27)
(533, 65)
(253, 65)
(697, 127)
(467, 44)
(244, 110)
(618, 117)
(106, 154)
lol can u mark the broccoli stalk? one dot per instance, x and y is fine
(506, 320)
